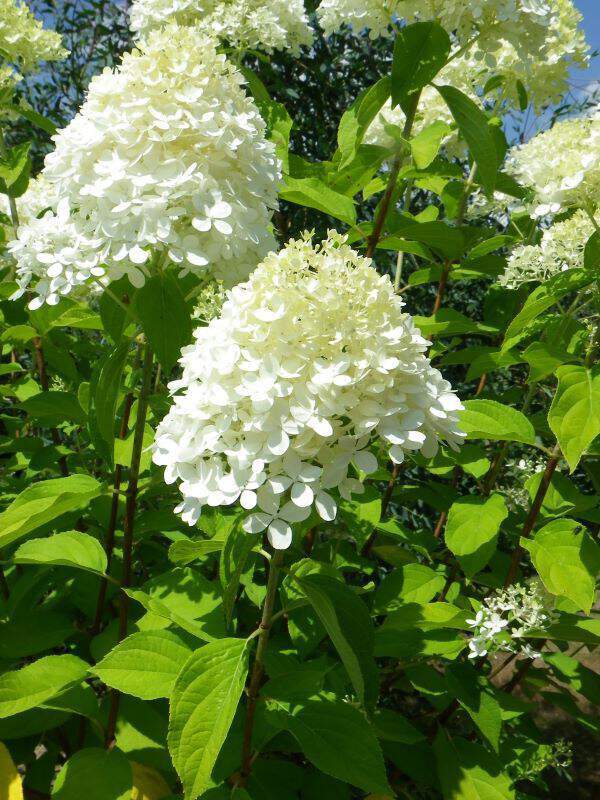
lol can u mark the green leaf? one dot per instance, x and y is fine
(184, 551)
(348, 624)
(35, 683)
(543, 358)
(591, 254)
(469, 772)
(567, 560)
(67, 549)
(14, 169)
(448, 322)
(279, 125)
(95, 774)
(104, 399)
(426, 144)
(43, 502)
(472, 530)
(162, 310)
(579, 678)
(437, 234)
(488, 419)
(234, 555)
(571, 628)
(424, 617)
(358, 117)
(203, 703)
(144, 664)
(420, 51)
(54, 407)
(411, 583)
(336, 738)
(473, 125)
(476, 696)
(313, 193)
(33, 631)
(32, 116)
(546, 296)
(574, 415)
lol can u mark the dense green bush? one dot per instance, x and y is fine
(403, 638)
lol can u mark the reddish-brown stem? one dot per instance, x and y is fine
(533, 513)
(481, 384)
(441, 290)
(258, 666)
(43, 376)
(128, 525)
(109, 543)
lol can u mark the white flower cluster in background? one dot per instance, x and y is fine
(311, 361)
(39, 196)
(534, 42)
(166, 159)
(506, 618)
(24, 41)
(266, 25)
(492, 20)
(500, 206)
(561, 165)
(561, 248)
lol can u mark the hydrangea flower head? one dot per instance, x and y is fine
(262, 24)
(561, 248)
(506, 617)
(24, 41)
(167, 158)
(310, 362)
(561, 165)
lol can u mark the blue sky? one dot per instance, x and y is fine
(591, 24)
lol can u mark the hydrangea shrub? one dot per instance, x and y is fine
(300, 453)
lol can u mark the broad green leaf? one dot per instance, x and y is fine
(361, 513)
(144, 664)
(581, 679)
(448, 322)
(420, 51)
(77, 316)
(11, 786)
(42, 502)
(184, 551)
(543, 358)
(567, 560)
(203, 703)
(436, 234)
(358, 117)
(15, 167)
(33, 631)
(392, 727)
(562, 496)
(571, 628)
(426, 616)
(279, 125)
(467, 771)
(35, 683)
(489, 246)
(414, 644)
(545, 296)
(23, 110)
(104, 398)
(95, 774)
(67, 549)
(412, 583)
(475, 695)
(54, 407)
(426, 144)
(314, 193)
(473, 125)
(113, 315)
(348, 624)
(488, 419)
(472, 530)
(591, 255)
(574, 415)
(336, 738)
(165, 317)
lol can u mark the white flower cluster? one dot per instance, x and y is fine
(310, 362)
(263, 24)
(166, 159)
(561, 248)
(493, 20)
(24, 41)
(534, 43)
(506, 617)
(561, 165)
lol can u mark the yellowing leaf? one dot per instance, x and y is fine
(11, 787)
(148, 784)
